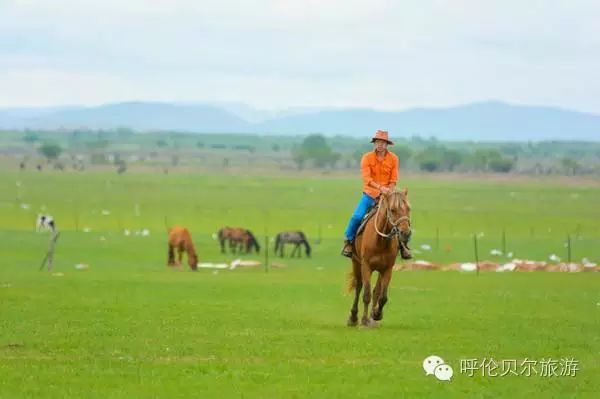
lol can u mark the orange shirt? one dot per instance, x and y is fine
(382, 171)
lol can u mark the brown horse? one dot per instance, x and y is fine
(239, 240)
(180, 239)
(376, 250)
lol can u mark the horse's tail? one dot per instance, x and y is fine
(351, 280)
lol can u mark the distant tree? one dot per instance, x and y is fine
(276, 147)
(124, 132)
(431, 158)
(501, 165)
(570, 166)
(402, 151)
(451, 159)
(50, 151)
(359, 152)
(161, 143)
(200, 144)
(299, 157)
(31, 137)
(315, 148)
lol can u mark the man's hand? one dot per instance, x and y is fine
(384, 189)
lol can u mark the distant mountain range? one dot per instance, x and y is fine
(483, 121)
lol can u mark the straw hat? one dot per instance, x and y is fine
(382, 135)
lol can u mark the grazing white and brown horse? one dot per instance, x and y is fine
(292, 237)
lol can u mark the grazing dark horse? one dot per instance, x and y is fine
(180, 239)
(239, 240)
(292, 237)
(375, 249)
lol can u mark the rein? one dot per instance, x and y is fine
(395, 230)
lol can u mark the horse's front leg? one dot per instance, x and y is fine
(386, 277)
(171, 256)
(353, 318)
(376, 296)
(179, 256)
(366, 280)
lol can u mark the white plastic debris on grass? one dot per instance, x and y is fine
(422, 262)
(496, 252)
(102, 238)
(244, 263)
(554, 258)
(105, 212)
(214, 236)
(82, 266)
(127, 232)
(233, 265)
(145, 233)
(426, 247)
(210, 265)
(86, 229)
(468, 267)
(509, 255)
(586, 263)
(25, 206)
(507, 267)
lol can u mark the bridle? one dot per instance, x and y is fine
(395, 230)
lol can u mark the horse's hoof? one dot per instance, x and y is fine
(377, 316)
(352, 322)
(369, 323)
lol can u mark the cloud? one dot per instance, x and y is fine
(384, 54)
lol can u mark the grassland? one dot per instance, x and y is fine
(130, 327)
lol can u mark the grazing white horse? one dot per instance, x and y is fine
(45, 222)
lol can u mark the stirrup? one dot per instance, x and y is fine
(347, 249)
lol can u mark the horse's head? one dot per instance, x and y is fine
(193, 260)
(398, 211)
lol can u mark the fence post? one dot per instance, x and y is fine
(476, 253)
(503, 242)
(266, 253)
(569, 248)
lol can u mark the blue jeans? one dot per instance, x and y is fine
(359, 213)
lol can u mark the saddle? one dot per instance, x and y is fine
(370, 212)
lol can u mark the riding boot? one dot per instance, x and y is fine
(405, 251)
(347, 250)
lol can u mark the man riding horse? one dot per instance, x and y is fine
(379, 169)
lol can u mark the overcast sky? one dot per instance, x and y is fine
(282, 53)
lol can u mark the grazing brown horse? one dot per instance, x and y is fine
(239, 240)
(180, 239)
(376, 250)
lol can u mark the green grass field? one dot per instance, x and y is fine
(130, 327)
